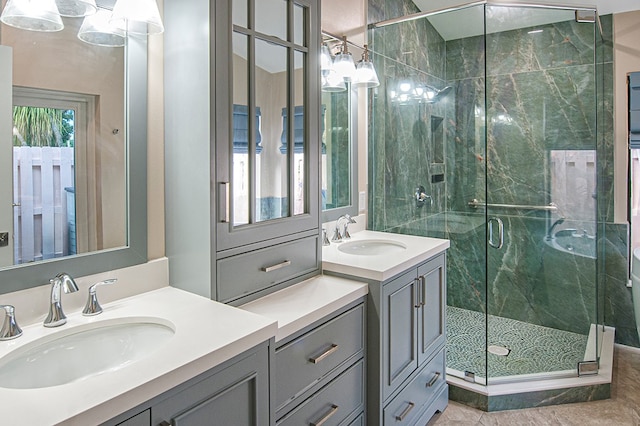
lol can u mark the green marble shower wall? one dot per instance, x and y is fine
(526, 78)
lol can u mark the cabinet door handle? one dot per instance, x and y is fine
(325, 354)
(331, 412)
(223, 202)
(276, 266)
(433, 380)
(423, 283)
(416, 294)
(406, 412)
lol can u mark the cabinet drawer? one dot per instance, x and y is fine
(407, 406)
(334, 403)
(256, 270)
(306, 360)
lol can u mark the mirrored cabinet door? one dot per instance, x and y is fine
(267, 120)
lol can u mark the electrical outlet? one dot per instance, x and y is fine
(4, 239)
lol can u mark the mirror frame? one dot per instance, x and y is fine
(351, 209)
(20, 277)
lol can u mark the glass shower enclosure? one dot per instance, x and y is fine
(492, 110)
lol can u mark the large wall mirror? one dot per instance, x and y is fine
(73, 130)
(339, 124)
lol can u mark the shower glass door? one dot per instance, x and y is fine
(540, 191)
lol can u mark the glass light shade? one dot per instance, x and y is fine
(137, 17)
(366, 75)
(33, 15)
(76, 8)
(345, 67)
(333, 83)
(326, 61)
(97, 30)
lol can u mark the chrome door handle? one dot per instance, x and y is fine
(223, 202)
(276, 266)
(406, 412)
(331, 412)
(325, 354)
(416, 293)
(500, 242)
(433, 380)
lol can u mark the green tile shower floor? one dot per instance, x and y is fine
(532, 348)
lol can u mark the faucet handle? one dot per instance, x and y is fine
(93, 306)
(10, 329)
(325, 238)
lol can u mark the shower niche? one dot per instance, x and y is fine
(513, 149)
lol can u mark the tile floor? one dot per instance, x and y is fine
(622, 409)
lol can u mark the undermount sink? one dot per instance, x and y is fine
(81, 352)
(372, 247)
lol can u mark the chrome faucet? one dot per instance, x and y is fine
(93, 306)
(553, 226)
(342, 234)
(422, 197)
(10, 329)
(61, 281)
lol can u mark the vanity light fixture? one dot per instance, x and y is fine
(137, 17)
(326, 60)
(32, 15)
(335, 73)
(333, 83)
(101, 26)
(366, 75)
(97, 30)
(343, 63)
(76, 8)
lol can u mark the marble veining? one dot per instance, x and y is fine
(542, 94)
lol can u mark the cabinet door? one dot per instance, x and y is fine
(432, 281)
(400, 322)
(267, 119)
(237, 395)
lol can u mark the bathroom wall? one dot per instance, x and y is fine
(526, 77)
(402, 139)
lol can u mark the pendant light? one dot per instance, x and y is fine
(76, 8)
(333, 83)
(97, 30)
(326, 60)
(137, 17)
(366, 75)
(33, 15)
(343, 63)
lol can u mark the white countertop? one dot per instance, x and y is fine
(302, 304)
(207, 333)
(381, 267)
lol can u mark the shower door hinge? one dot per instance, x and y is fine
(470, 376)
(588, 368)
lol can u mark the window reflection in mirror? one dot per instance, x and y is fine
(69, 176)
(269, 135)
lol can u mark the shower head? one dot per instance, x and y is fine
(442, 93)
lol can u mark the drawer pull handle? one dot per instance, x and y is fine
(406, 412)
(331, 412)
(276, 266)
(165, 423)
(325, 354)
(433, 380)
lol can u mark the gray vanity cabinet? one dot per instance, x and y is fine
(319, 373)
(242, 143)
(235, 393)
(406, 345)
(267, 146)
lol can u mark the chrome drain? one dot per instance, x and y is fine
(498, 350)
